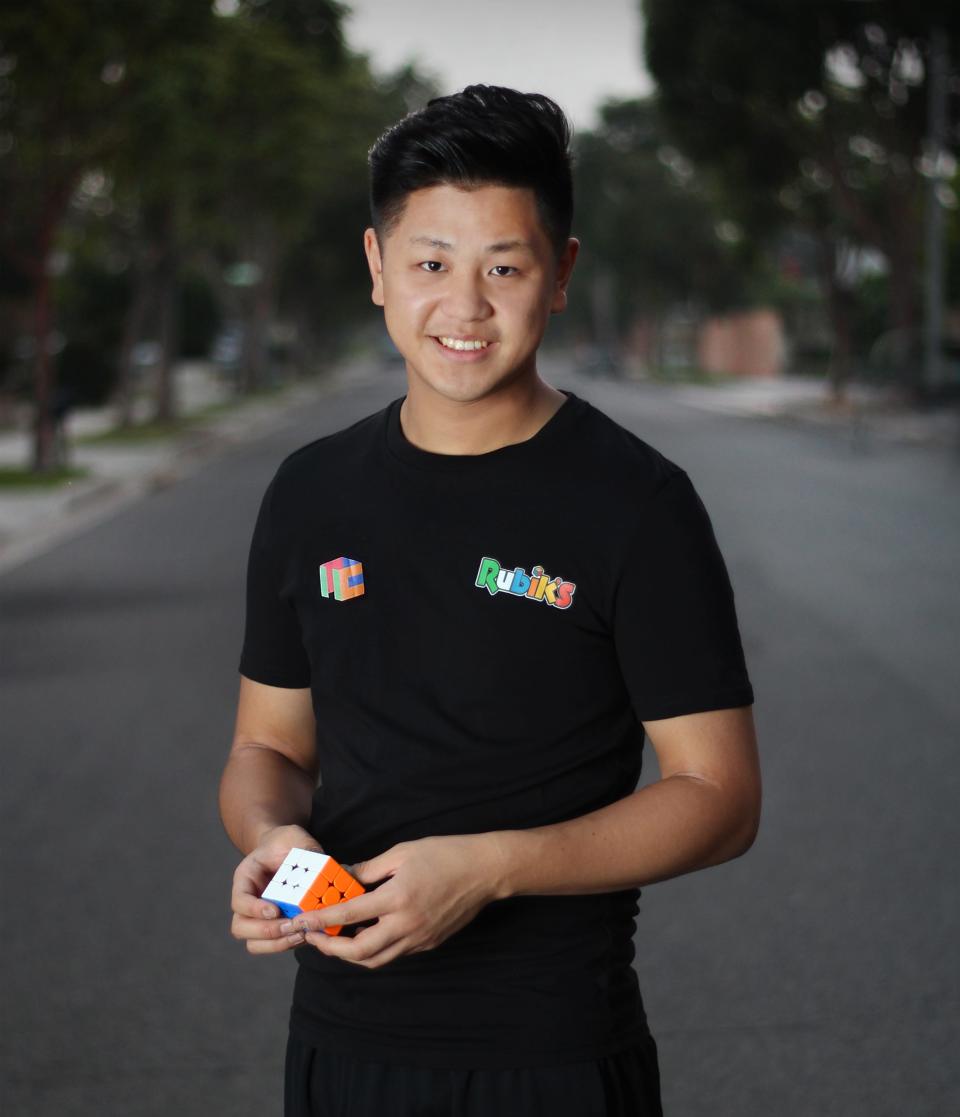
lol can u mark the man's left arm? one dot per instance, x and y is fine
(705, 809)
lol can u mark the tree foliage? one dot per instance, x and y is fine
(181, 139)
(812, 112)
(651, 235)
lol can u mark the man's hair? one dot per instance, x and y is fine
(486, 135)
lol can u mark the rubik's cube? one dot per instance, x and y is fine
(308, 880)
(341, 578)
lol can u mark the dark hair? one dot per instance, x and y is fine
(484, 135)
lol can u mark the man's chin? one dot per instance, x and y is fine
(464, 385)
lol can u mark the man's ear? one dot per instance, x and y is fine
(562, 278)
(375, 263)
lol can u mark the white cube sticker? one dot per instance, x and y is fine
(293, 879)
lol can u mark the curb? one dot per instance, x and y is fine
(863, 420)
(94, 490)
(901, 428)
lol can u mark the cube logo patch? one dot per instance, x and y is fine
(341, 578)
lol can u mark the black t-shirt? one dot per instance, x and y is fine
(482, 636)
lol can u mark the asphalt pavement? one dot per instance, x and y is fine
(816, 975)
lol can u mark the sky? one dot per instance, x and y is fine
(576, 51)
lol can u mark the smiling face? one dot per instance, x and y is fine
(476, 269)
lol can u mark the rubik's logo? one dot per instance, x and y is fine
(341, 578)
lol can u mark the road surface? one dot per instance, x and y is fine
(816, 975)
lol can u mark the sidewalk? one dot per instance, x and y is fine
(33, 519)
(869, 410)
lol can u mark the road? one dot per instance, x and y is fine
(816, 975)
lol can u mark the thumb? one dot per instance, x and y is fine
(377, 868)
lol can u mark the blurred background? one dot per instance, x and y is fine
(768, 290)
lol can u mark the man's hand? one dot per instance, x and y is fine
(432, 887)
(256, 921)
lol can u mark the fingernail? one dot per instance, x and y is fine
(286, 927)
(269, 913)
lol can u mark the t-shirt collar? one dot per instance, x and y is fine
(510, 456)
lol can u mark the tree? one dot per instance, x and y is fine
(652, 237)
(158, 175)
(288, 145)
(325, 284)
(813, 112)
(60, 128)
(233, 144)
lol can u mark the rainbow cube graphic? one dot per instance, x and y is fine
(341, 578)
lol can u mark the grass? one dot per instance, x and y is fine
(13, 478)
(17, 477)
(136, 432)
(150, 430)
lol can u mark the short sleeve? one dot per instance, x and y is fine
(675, 623)
(273, 651)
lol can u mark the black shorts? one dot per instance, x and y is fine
(320, 1083)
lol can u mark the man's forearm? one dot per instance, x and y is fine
(259, 790)
(668, 828)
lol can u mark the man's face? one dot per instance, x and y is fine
(468, 265)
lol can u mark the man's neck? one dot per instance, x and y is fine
(515, 414)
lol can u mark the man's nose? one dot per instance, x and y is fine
(464, 299)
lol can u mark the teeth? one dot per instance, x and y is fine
(453, 343)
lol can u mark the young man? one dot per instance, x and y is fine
(537, 587)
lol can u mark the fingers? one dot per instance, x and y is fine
(357, 910)
(371, 948)
(249, 904)
(254, 921)
(264, 936)
(249, 880)
(257, 922)
(275, 946)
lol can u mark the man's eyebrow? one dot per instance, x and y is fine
(498, 246)
(509, 246)
(433, 242)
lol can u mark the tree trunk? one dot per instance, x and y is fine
(303, 345)
(839, 301)
(259, 308)
(248, 378)
(603, 309)
(904, 320)
(905, 238)
(229, 298)
(43, 376)
(258, 325)
(44, 371)
(165, 409)
(140, 299)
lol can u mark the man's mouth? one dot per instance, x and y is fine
(462, 343)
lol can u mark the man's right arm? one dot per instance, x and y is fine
(272, 769)
(266, 792)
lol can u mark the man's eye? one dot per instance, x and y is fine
(434, 266)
